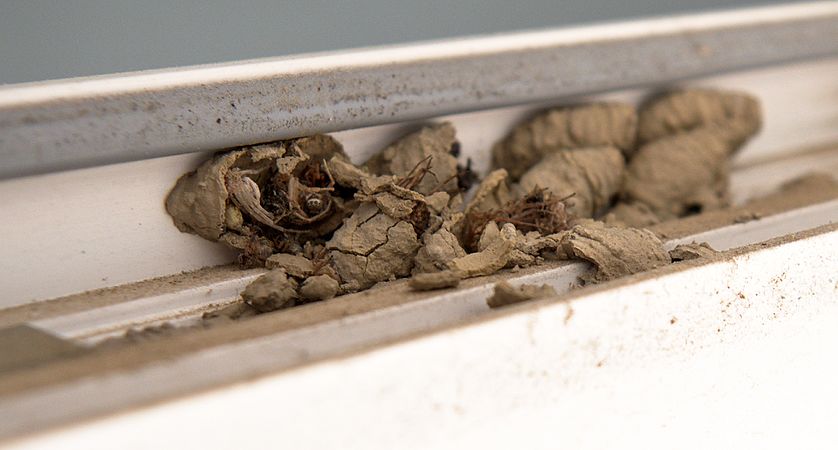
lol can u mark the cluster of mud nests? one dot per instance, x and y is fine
(577, 182)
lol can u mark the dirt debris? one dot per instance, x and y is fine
(319, 287)
(296, 266)
(615, 251)
(492, 193)
(539, 210)
(433, 143)
(438, 249)
(271, 291)
(235, 311)
(437, 280)
(325, 226)
(372, 246)
(595, 125)
(695, 250)
(492, 258)
(505, 294)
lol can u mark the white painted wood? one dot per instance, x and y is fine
(92, 228)
(101, 120)
(736, 353)
(182, 307)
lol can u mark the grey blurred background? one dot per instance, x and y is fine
(42, 40)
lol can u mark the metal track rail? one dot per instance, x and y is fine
(94, 121)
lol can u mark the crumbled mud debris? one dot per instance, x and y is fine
(433, 143)
(372, 246)
(505, 294)
(596, 125)
(492, 258)
(615, 251)
(492, 193)
(150, 332)
(572, 183)
(686, 252)
(296, 266)
(235, 311)
(540, 210)
(438, 249)
(746, 216)
(437, 280)
(271, 291)
(319, 287)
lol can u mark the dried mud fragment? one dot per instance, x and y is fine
(436, 280)
(517, 256)
(547, 247)
(685, 252)
(319, 287)
(505, 294)
(271, 291)
(296, 266)
(601, 124)
(616, 252)
(371, 247)
(438, 250)
(403, 156)
(680, 174)
(493, 193)
(593, 176)
(491, 259)
(736, 115)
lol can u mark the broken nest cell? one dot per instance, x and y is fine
(576, 182)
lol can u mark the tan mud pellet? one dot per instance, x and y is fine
(738, 114)
(600, 124)
(592, 175)
(319, 287)
(404, 155)
(679, 174)
(271, 291)
(505, 294)
(431, 281)
(296, 266)
(615, 251)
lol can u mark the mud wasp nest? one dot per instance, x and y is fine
(325, 226)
